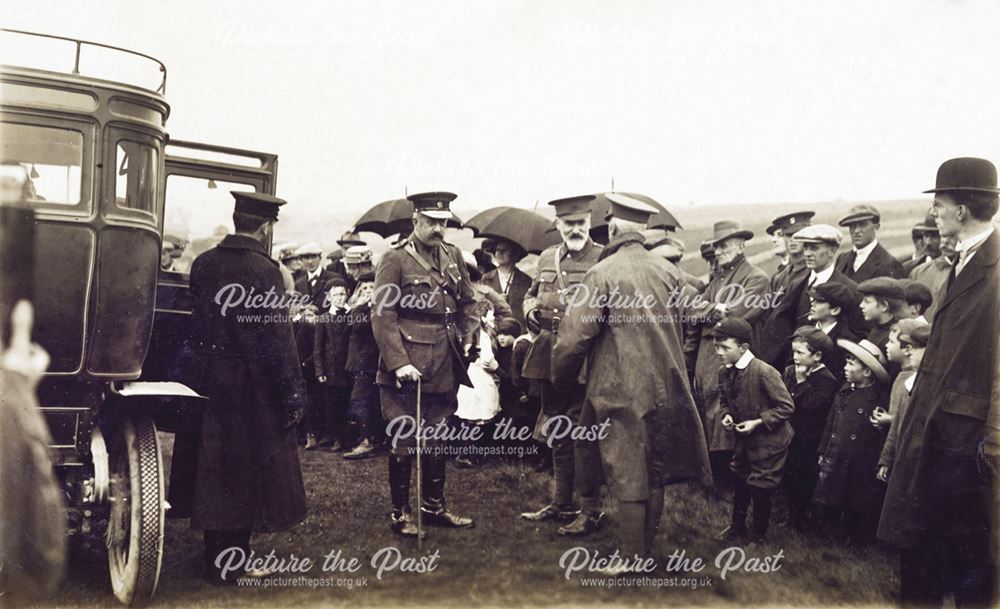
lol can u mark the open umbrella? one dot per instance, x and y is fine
(393, 217)
(522, 226)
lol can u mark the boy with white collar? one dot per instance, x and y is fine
(754, 402)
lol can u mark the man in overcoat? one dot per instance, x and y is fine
(627, 325)
(941, 494)
(736, 290)
(247, 477)
(423, 315)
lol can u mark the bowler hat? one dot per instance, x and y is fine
(729, 229)
(868, 354)
(966, 173)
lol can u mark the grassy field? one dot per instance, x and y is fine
(503, 562)
(510, 563)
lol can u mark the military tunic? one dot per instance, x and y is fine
(423, 314)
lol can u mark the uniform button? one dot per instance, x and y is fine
(564, 272)
(861, 410)
(854, 437)
(833, 436)
(555, 310)
(408, 337)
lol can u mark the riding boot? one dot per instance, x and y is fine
(737, 530)
(399, 489)
(433, 504)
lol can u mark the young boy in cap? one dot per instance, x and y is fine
(812, 386)
(918, 298)
(882, 302)
(830, 304)
(912, 339)
(329, 359)
(850, 448)
(756, 404)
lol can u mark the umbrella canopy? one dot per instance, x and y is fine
(600, 206)
(393, 217)
(524, 227)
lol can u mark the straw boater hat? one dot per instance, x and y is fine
(868, 354)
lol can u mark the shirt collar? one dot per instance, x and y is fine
(828, 327)
(866, 250)
(974, 241)
(908, 383)
(822, 276)
(744, 360)
(314, 274)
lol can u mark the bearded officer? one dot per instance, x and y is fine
(423, 317)
(247, 476)
(561, 268)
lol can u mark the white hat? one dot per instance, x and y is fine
(309, 249)
(819, 233)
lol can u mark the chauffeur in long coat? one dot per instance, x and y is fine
(574, 464)
(423, 312)
(636, 378)
(247, 476)
(941, 493)
(736, 291)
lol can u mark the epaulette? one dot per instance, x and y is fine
(400, 243)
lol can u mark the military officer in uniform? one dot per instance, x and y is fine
(560, 268)
(247, 476)
(423, 316)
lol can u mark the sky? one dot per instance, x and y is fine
(692, 102)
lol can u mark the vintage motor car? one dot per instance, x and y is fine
(120, 210)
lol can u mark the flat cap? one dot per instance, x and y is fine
(435, 205)
(834, 293)
(917, 337)
(357, 254)
(732, 327)
(886, 287)
(815, 338)
(905, 326)
(791, 223)
(860, 213)
(257, 204)
(819, 233)
(915, 292)
(929, 225)
(309, 249)
(578, 207)
(626, 208)
(663, 243)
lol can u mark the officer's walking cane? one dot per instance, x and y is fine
(420, 477)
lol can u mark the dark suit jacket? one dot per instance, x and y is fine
(880, 263)
(952, 417)
(316, 292)
(771, 342)
(519, 285)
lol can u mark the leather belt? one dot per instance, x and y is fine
(550, 323)
(426, 316)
